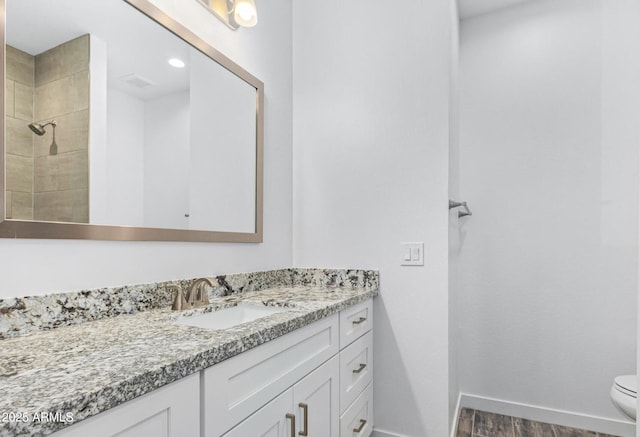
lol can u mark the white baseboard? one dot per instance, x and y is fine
(541, 414)
(454, 426)
(382, 433)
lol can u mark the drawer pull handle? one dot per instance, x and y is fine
(293, 423)
(359, 321)
(360, 369)
(305, 421)
(362, 424)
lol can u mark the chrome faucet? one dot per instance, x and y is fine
(196, 296)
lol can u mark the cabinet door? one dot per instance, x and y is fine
(272, 420)
(316, 400)
(170, 411)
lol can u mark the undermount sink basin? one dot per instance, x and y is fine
(229, 317)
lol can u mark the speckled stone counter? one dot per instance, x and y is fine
(85, 368)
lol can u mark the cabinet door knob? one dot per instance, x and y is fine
(293, 423)
(305, 420)
(359, 321)
(360, 369)
(362, 424)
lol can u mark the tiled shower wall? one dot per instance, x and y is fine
(19, 145)
(61, 182)
(53, 85)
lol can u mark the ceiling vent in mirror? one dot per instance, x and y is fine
(137, 81)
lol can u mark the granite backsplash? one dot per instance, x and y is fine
(24, 315)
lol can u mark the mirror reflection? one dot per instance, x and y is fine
(47, 101)
(111, 119)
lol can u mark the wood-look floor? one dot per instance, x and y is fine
(475, 423)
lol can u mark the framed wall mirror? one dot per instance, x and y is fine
(121, 124)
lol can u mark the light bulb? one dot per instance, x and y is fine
(245, 13)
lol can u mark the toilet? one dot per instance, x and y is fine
(624, 393)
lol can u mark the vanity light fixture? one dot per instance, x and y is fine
(233, 13)
(177, 63)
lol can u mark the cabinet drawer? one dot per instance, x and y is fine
(355, 321)
(357, 421)
(270, 420)
(235, 388)
(356, 369)
(172, 410)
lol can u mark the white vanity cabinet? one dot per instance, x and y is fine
(170, 411)
(307, 409)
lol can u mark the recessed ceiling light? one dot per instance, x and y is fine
(175, 62)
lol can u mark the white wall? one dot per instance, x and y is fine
(454, 243)
(223, 149)
(124, 158)
(98, 148)
(40, 266)
(167, 173)
(549, 164)
(371, 93)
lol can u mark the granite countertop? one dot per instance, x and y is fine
(87, 368)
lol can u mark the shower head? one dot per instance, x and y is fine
(38, 128)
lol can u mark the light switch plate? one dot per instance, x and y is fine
(412, 254)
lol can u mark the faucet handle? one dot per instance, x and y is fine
(179, 303)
